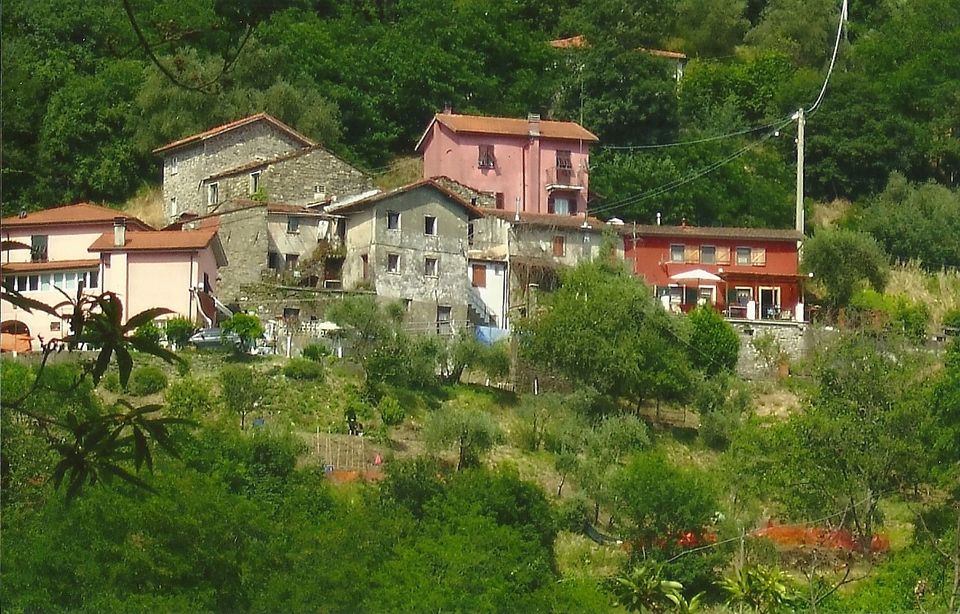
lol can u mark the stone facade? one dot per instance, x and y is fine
(411, 245)
(795, 340)
(243, 233)
(185, 167)
(302, 177)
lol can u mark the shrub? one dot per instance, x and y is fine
(147, 380)
(179, 331)
(952, 318)
(188, 398)
(148, 332)
(111, 382)
(303, 369)
(391, 412)
(315, 352)
(572, 514)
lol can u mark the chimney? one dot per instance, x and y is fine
(534, 120)
(658, 218)
(119, 231)
(447, 109)
(683, 222)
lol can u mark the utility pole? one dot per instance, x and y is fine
(801, 121)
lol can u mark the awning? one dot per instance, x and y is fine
(695, 275)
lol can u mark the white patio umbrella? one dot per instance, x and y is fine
(695, 275)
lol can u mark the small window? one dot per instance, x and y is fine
(443, 320)
(393, 220)
(479, 276)
(55, 326)
(470, 234)
(293, 224)
(743, 255)
(564, 162)
(559, 246)
(173, 207)
(676, 253)
(708, 254)
(33, 283)
(758, 256)
(38, 248)
(559, 205)
(291, 260)
(174, 165)
(365, 266)
(58, 281)
(274, 262)
(393, 263)
(21, 283)
(407, 303)
(93, 278)
(498, 199)
(431, 267)
(429, 225)
(486, 159)
(45, 282)
(254, 182)
(213, 195)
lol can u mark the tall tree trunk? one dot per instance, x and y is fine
(563, 478)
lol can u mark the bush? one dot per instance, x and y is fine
(391, 412)
(188, 398)
(303, 369)
(148, 332)
(147, 380)
(315, 352)
(952, 318)
(111, 382)
(572, 514)
(179, 331)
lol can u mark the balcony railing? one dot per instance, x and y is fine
(565, 178)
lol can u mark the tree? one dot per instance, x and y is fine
(465, 352)
(246, 326)
(714, 345)
(179, 330)
(240, 390)
(841, 259)
(470, 432)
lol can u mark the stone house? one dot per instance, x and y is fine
(411, 245)
(190, 160)
(303, 177)
(528, 165)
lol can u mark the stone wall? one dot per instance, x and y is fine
(797, 341)
(243, 233)
(295, 179)
(259, 140)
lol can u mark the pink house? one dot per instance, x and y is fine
(529, 165)
(101, 250)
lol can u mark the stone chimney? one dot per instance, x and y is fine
(119, 231)
(534, 120)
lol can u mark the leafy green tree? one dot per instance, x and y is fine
(241, 390)
(246, 326)
(804, 30)
(470, 432)
(840, 259)
(714, 345)
(188, 398)
(711, 28)
(178, 331)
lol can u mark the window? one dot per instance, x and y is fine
(708, 254)
(470, 233)
(431, 267)
(498, 199)
(291, 260)
(93, 279)
(365, 266)
(174, 165)
(173, 206)
(429, 225)
(560, 205)
(407, 303)
(486, 159)
(393, 220)
(563, 160)
(758, 256)
(213, 195)
(293, 224)
(443, 320)
(38, 248)
(45, 282)
(676, 253)
(743, 255)
(254, 182)
(55, 327)
(273, 261)
(559, 246)
(393, 263)
(479, 276)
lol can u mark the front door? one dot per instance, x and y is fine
(769, 303)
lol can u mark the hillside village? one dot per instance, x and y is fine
(419, 306)
(501, 209)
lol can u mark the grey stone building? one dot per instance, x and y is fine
(306, 176)
(190, 160)
(411, 245)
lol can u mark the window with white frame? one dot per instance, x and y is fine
(743, 255)
(429, 225)
(254, 182)
(431, 267)
(213, 195)
(393, 263)
(174, 165)
(293, 224)
(485, 158)
(708, 254)
(676, 253)
(393, 220)
(173, 206)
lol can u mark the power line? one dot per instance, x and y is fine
(691, 142)
(833, 58)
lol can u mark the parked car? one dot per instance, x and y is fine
(214, 337)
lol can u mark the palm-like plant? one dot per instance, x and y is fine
(764, 589)
(643, 589)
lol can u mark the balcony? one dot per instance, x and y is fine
(565, 178)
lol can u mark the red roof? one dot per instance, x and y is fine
(212, 132)
(580, 42)
(546, 219)
(82, 213)
(479, 124)
(472, 210)
(51, 265)
(716, 232)
(157, 240)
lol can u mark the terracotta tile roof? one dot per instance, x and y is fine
(157, 240)
(289, 209)
(547, 219)
(580, 42)
(472, 211)
(705, 232)
(82, 213)
(50, 265)
(479, 124)
(212, 132)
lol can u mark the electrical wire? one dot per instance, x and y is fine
(833, 59)
(692, 142)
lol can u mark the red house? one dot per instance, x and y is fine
(750, 273)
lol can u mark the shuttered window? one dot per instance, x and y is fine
(479, 276)
(723, 255)
(691, 253)
(758, 256)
